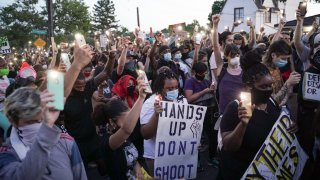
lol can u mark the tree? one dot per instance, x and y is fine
(216, 9)
(70, 16)
(18, 19)
(103, 16)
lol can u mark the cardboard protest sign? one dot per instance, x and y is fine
(4, 46)
(178, 136)
(280, 156)
(311, 86)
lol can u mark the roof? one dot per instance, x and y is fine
(307, 21)
(257, 2)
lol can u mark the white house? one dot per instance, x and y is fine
(264, 13)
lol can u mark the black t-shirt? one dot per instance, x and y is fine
(120, 162)
(77, 112)
(234, 164)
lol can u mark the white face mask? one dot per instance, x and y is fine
(235, 61)
(239, 46)
(44, 66)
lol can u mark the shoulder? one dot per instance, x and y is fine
(66, 137)
(7, 156)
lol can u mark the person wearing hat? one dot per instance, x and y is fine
(310, 58)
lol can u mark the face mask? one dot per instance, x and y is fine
(235, 61)
(172, 95)
(44, 66)
(130, 90)
(281, 63)
(259, 96)
(185, 55)
(167, 56)
(4, 72)
(316, 60)
(200, 78)
(178, 56)
(87, 74)
(239, 46)
(28, 133)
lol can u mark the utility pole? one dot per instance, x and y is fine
(138, 18)
(50, 18)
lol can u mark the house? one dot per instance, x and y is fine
(264, 13)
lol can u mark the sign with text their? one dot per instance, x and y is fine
(4, 45)
(280, 157)
(178, 137)
(39, 42)
(311, 86)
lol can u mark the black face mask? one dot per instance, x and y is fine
(316, 60)
(200, 78)
(130, 90)
(260, 96)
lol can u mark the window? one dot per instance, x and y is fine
(267, 16)
(238, 14)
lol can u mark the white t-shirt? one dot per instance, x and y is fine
(145, 117)
(212, 61)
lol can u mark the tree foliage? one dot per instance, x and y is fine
(103, 15)
(71, 16)
(17, 21)
(216, 8)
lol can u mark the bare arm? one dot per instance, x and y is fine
(149, 130)
(107, 71)
(252, 37)
(118, 138)
(191, 97)
(232, 140)
(152, 55)
(276, 37)
(216, 46)
(82, 57)
(298, 33)
(122, 60)
(196, 54)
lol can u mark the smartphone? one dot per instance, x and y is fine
(246, 102)
(146, 81)
(66, 60)
(80, 39)
(55, 84)
(303, 8)
(317, 19)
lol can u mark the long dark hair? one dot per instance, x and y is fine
(103, 113)
(253, 69)
(160, 79)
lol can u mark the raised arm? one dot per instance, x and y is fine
(107, 71)
(234, 25)
(196, 54)
(276, 37)
(82, 57)
(216, 46)
(123, 57)
(130, 121)
(252, 35)
(298, 33)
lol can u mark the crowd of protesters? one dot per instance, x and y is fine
(110, 122)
